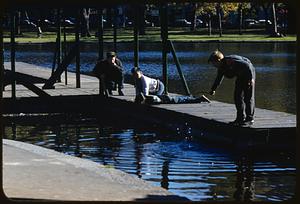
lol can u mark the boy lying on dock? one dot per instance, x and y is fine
(150, 91)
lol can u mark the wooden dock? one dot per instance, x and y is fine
(207, 121)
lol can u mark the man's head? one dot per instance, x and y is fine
(111, 57)
(215, 58)
(136, 72)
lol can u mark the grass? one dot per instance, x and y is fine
(153, 35)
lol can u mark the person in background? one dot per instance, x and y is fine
(146, 86)
(240, 67)
(111, 73)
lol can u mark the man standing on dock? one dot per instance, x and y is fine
(111, 72)
(240, 67)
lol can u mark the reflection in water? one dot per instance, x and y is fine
(165, 173)
(183, 166)
(245, 180)
(138, 154)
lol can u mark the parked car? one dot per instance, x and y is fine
(263, 22)
(249, 22)
(200, 23)
(181, 23)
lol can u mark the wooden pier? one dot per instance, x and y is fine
(204, 121)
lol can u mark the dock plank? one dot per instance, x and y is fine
(215, 111)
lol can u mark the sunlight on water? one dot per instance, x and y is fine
(185, 167)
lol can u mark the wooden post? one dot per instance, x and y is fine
(2, 129)
(13, 53)
(136, 37)
(65, 48)
(164, 37)
(100, 34)
(115, 29)
(59, 39)
(77, 49)
(100, 46)
(1, 60)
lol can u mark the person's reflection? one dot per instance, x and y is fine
(101, 144)
(57, 131)
(245, 179)
(138, 153)
(77, 149)
(165, 175)
(14, 131)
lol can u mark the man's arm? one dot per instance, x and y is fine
(217, 82)
(118, 65)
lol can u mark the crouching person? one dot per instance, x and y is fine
(110, 73)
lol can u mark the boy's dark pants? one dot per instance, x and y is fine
(244, 100)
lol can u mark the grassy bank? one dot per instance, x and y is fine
(153, 35)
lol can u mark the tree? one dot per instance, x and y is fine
(194, 16)
(85, 22)
(218, 9)
(241, 8)
(208, 10)
(274, 21)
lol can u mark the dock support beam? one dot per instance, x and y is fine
(115, 28)
(77, 49)
(59, 39)
(164, 36)
(65, 46)
(13, 52)
(1, 62)
(136, 37)
(100, 34)
(186, 88)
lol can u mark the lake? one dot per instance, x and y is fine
(179, 163)
(275, 65)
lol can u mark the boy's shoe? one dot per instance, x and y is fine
(248, 122)
(237, 122)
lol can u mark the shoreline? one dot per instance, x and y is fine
(174, 41)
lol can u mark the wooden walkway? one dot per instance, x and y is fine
(217, 113)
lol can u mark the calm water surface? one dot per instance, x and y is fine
(275, 66)
(178, 163)
(175, 162)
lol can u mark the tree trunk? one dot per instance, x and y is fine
(194, 17)
(219, 18)
(85, 22)
(266, 16)
(109, 17)
(274, 25)
(141, 20)
(209, 24)
(18, 26)
(240, 19)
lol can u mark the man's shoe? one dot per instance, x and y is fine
(110, 92)
(248, 122)
(237, 122)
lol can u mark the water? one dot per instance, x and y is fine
(178, 163)
(275, 66)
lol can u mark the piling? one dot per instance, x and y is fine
(77, 41)
(13, 52)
